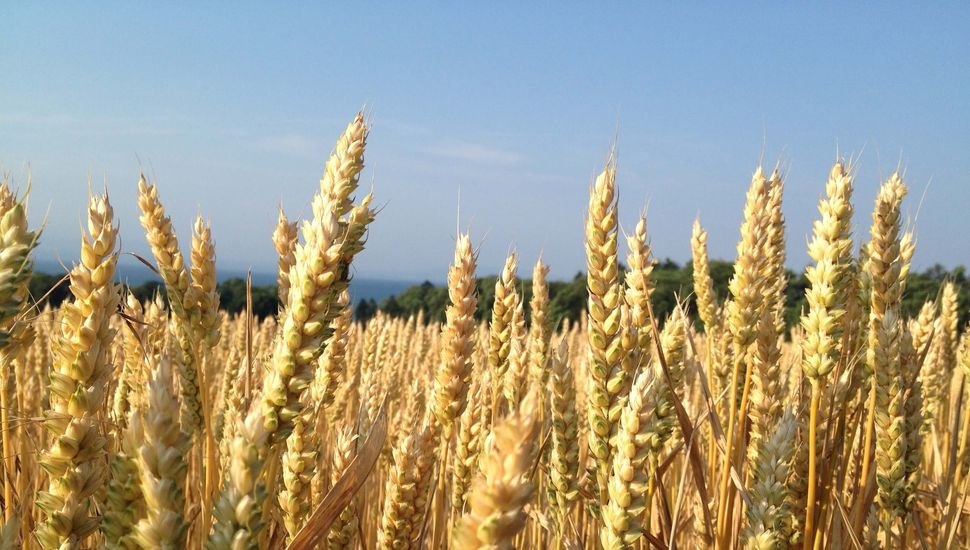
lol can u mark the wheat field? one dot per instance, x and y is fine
(171, 424)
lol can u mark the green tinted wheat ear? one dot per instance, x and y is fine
(500, 493)
(606, 378)
(636, 301)
(238, 512)
(162, 465)
(885, 421)
(342, 172)
(124, 503)
(285, 237)
(453, 374)
(75, 462)
(767, 527)
(298, 461)
(913, 426)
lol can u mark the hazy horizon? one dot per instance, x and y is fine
(233, 113)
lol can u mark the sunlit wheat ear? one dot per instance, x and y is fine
(17, 242)
(637, 342)
(331, 371)
(406, 490)
(640, 435)
(540, 331)
(331, 239)
(707, 307)
(285, 237)
(298, 463)
(831, 250)
(79, 375)
(603, 324)
(564, 454)
(203, 287)
(500, 493)
(342, 172)
(183, 299)
(162, 465)
(500, 328)
(468, 442)
(453, 374)
(343, 533)
(886, 272)
(767, 518)
(124, 503)
(516, 377)
(238, 512)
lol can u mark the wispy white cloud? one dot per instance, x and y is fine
(293, 144)
(472, 152)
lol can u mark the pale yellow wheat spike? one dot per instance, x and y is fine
(564, 442)
(127, 389)
(16, 334)
(502, 490)
(885, 265)
(161, 459)
(75, 462)
(516, 377)
(331, 239)
(831, 250)
(285, 237)
(707, 307)
(332, 365)
(342, 172)
(468, 444)
(124, 503)
(203, 272)
(767, 519)
(639, 286)
(238, 512)
(748, 288)
(640, 434)
(452, 376)
(406, 489)
(183, 298)
(298, 461)
(603, 324)
(500, 328)
(540, 325)
(343, 532)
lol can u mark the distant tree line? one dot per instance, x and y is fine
(232, 293)
(567, 299)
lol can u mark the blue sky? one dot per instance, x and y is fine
(514, 106)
